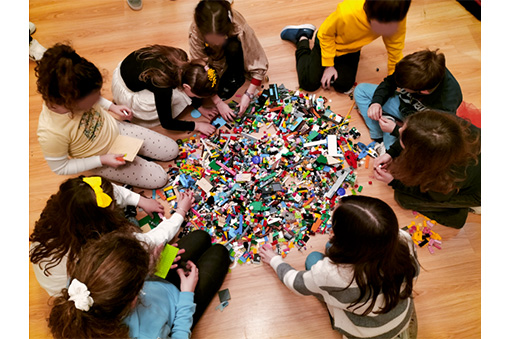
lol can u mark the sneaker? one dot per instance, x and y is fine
(35, 50)
(476, 210)
(31, 27)
(293, 33)
(379, 148)
(135, 5)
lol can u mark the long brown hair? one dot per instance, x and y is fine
(214, 17)
(366, 236)
(170, 59)
(114, 269)
(70, 219)
(438, 147)
(64, 77)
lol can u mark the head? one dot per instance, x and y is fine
(420, 71)
(199, 79)
(171, 61)
(71, 218)
(436, 147)
(113, 269)
(214, 21)
(366, 236)
(66, 80)
(385, 15)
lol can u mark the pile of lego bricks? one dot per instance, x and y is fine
(271, 176)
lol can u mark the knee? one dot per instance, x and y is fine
(221, 253)
(171, 149)
(159, 177)
(201, 237)
(343, 85)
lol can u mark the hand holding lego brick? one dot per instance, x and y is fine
(112, 160)
(184, 203)
(383, 175)
(383, 161)
(387, 125)
(267, 253)
(330, 73)
(121, 112)
(189, 278)
(374, 112)
(226, 112)
(150, 206)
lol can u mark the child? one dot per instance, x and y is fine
(334, 59)
(366, 276)
(151, 80)
(109, 296)
(75, 130)
(435, 169)
(421, 81)
(222, 36)
(85, 208)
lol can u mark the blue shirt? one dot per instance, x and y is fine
(162, 311)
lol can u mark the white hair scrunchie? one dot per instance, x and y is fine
(79, 293)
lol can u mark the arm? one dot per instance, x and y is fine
(125, 197)
(385, 90)
(65, 166)
(255, 59)
(185, 309)
(163, 99)
(394, 46)
(326, 34)
(164, 232)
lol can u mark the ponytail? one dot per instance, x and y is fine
(202, 79)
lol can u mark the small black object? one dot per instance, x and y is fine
(224, 295)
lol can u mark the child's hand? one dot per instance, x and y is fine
(374, 111)
(209, 112)
(383, 161)
(266, 253)
(122, 112)
(383, 175)
(226, 112)
(150, 206)
(112, 160)
(185, 201)
(204, 128)
(387, 125)
(328, 74)
(177, 257)
(243, 105)
(189, 279)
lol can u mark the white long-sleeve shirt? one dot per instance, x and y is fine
(163, 233)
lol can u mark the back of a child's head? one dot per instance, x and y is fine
(64, 77)
(420, 71)
(440, 142)
(170, 60)
(72, 217)
(386, 11)
(202, 78)
(112, 270)
(214, 16)
(366, 236)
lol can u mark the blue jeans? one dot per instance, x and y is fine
(315, 256)
(363, 94)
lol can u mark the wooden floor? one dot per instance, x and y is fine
(448, 297)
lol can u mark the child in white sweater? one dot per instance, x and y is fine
(366, 276)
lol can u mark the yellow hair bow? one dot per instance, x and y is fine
(103, 199)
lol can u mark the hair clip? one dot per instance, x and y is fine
(211, 75)
(103, 199)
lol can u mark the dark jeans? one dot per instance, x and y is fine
(233, 77)
(212, 262)
(309, 67)
(452, 213)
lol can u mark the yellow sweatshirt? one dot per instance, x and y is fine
(347, 30)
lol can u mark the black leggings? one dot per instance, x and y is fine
(212, 262)
(233, 77)
(309, 67)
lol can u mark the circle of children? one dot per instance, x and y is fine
(99, 267)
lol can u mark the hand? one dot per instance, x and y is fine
(226, 112)
(209, 112)
(382, 174)
(267, 253)
(204, 128)
(383, 161)
(387, 125)
(184, 202)
(112, 160)
(150, 206)
(328, 74)
(243, 105)
(374, 111)
(177, 257)
(189, 279)
(119, 110)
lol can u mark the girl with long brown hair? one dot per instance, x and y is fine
(159, 83)
(84, 209)
(435, 167)
(366, 275)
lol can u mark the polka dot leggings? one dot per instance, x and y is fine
(142, 173)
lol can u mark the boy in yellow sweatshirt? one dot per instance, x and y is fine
(334, 59)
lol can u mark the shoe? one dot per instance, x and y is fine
(379, 148)
(293, 33)
(135, 5)
(476, 210)
(31, 27)
(35, 50)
